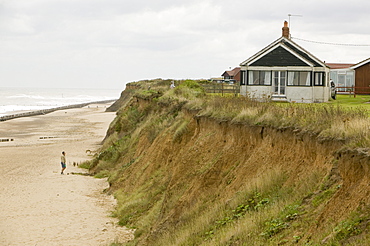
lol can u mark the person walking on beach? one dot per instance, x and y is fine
(63, 162)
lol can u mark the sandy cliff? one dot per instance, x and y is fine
(189, 180)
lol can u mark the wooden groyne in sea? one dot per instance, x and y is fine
(46, 111)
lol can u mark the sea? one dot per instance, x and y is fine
(13, 100)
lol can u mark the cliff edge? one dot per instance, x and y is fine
(185, 176)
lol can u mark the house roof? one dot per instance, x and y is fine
(226, 73)
(360, 64)
(294, 55)
(339, 65)
(233, 72)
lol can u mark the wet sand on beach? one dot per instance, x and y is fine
(39, 206)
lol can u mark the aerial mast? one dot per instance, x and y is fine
(289, 25)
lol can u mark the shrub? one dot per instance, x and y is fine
(189, 89)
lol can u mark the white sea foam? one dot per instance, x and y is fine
(25, 96)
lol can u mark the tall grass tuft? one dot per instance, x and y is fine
(181, 129)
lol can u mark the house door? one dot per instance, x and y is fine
(279, 78)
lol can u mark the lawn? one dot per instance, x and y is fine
(350, 101)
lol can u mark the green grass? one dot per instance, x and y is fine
(351, 101)
(356, 224)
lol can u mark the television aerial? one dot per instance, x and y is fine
(289, 15)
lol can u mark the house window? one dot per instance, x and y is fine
(319, 79)
(259, 77)
(343, 79)
(299, 78)
(243, 78)
(349, 79)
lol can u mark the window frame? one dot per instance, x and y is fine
(323, 79)
(299, 84)
(261, 76)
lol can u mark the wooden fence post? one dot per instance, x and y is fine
(354, 91)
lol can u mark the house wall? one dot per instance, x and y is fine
(243, 90)
(237, 77)
(312, 94)
(299, 94)
(256, 92)
(293, 93)
(308, 94)
(323, 94)
(362, 78)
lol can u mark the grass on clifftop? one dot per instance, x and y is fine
(345, 119)
(351, 101)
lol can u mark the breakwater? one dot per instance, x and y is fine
(47, 111)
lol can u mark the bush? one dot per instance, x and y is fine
(189, 89)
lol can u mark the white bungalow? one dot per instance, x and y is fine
(284, 71)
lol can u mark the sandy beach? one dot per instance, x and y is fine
(39, 206)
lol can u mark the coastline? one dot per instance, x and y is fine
(39, 205)
(47, 111)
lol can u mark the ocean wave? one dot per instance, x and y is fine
(18, 99)
(25, 96)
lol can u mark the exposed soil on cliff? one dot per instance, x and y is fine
(203, 171)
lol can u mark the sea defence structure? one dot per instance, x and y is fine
(46, 111)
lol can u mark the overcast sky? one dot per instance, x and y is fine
(108, 43)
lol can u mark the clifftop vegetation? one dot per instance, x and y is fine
(189, 168)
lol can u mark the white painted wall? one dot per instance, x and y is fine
(256, 92)
(299, 94)
(293, 93)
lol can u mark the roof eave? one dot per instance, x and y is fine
(245, 63)
(360, 64)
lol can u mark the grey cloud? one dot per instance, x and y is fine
(90, 38)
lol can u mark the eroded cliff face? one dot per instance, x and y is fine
(190, 179)
(353, 168)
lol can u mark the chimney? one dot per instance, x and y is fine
(286, 33)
